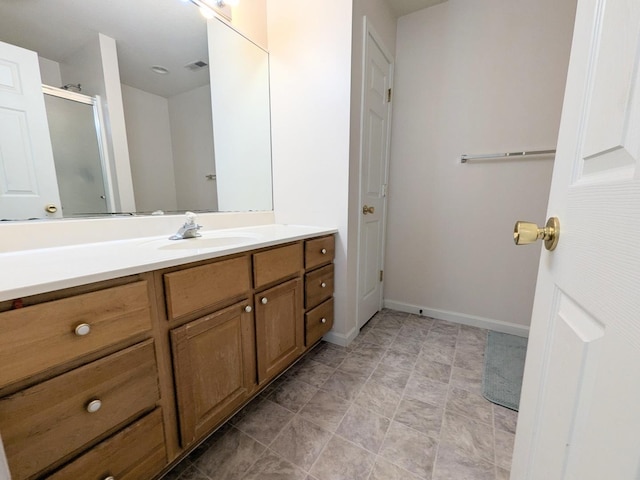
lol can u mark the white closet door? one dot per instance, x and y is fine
(27, 172)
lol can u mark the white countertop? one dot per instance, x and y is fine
(34, 271)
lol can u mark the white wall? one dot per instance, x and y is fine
(310, 60)
(50, 72)
(149, 139)
(171, 149)
(192, 144)
(472, 77)
(250, 18)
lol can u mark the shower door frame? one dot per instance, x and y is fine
(101, 136)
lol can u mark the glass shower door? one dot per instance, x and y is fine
(77, 154)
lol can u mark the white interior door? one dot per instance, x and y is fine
(580, 409)
(27, 172)
(378, 69)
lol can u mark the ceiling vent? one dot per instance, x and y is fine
(196, 66)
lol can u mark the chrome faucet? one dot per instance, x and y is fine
(189, 229)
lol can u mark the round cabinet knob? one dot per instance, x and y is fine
(51, 208)
(323, 320)
(323, 251)
(323, 285)
(110, 477)
(94, 405)
(248, 309)
(264, 300)
(83, 329)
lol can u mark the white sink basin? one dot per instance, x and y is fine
(206, 241)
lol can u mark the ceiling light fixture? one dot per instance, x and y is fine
(160, 70)
(211, 8)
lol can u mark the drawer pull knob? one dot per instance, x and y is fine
(323, 320)
(94, 405)
(110, 477)
(83, 329)
(264, 300)
(323, 251)
(323, 285)
(248, 309)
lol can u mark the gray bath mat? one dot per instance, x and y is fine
(503, 369)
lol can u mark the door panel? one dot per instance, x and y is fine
(27, 173)
(214, 365)
(279, 328)
(373, 176)
(77, 157)
(611, 146)
(579, 413)
(371, 242)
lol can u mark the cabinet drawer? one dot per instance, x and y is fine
(317, 322)
(318, 286)
(196, 288)
(50, 421)
(42, 336)
(277, 264)
(134, 453)
(319, 251)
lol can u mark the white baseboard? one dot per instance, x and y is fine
(341, 339)
(463, 318)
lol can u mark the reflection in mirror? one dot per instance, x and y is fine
(240, 94)
(157, 132)
(79, 164)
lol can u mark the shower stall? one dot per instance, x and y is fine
(80, 157)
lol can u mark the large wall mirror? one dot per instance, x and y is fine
(126, 92)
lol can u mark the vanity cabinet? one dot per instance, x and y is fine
(318, 288)
(279, 309)
(78, 368)
(121, 378)
(211, 331)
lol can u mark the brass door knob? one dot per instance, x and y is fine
(527, 232)
(367, 209)
(51, 208)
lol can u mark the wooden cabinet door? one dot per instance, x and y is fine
(214, 366)
(279, 328)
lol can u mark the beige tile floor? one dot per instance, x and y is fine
(403, 401)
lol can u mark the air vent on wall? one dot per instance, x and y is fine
(197, 65)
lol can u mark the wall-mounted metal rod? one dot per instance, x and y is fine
(464, 158)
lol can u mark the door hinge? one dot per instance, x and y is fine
(389, 96)
(381, 274)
